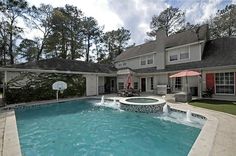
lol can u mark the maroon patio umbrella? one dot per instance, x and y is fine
(186, 73)
(129, 81)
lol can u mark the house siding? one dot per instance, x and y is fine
(195, 53)
(135, 63)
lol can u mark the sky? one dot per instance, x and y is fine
(135, 15)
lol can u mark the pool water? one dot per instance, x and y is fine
(142, 100)
(78, 128)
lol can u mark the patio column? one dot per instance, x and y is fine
(200, 85)
(91, 85)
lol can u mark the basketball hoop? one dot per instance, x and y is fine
(59, 86)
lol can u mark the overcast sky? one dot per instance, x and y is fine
(135, 15)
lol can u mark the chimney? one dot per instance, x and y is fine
(161, 34)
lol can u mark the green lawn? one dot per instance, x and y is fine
(222, 106)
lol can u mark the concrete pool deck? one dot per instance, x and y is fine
(217, 137)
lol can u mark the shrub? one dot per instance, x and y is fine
(38, 86)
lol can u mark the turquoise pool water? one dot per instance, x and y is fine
(142, 100)
(79, 128)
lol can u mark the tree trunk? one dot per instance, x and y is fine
(10, 49)
(229, 31)
(88, 47)
(40, 51)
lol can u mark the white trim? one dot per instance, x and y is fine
(167, 49)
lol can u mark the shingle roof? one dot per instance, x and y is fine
(138, 50)
(66, 65)
(217, 53)
(182, 38)
(186, 37)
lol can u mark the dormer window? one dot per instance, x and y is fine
(143, 61)
(150, 60)
(174, 57)
(184, 56)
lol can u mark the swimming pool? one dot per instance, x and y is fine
(82, 128)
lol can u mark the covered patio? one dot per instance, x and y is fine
(100, 79)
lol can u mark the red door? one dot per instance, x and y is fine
(210, 81)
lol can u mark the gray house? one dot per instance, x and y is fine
(151, 64)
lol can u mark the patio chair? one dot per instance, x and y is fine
(121, 93)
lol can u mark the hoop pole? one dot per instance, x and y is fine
(57, 95)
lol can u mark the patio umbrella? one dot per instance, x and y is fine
(186, 73)
(129, 81)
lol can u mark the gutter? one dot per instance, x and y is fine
(53, 71)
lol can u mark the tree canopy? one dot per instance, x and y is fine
(170, 20)
(65, 32)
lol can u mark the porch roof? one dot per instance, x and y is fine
(62, 65)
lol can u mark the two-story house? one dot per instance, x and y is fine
(151, 64)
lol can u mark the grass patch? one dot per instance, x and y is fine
(222, 106)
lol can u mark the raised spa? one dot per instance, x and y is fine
(142, 104)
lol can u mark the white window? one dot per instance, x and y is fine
(225, 83)
(143, 61)
(121, 85)
(150, 60)
(152, 83)
(178, 83)
(135, 85)
(184, 56)
(147, 60)
(173, 57)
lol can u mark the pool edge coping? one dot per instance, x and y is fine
(205, 140)
(11, 141)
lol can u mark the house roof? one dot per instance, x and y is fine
(65, 65)
(138, 50)
(217, 53)
(186, 37)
